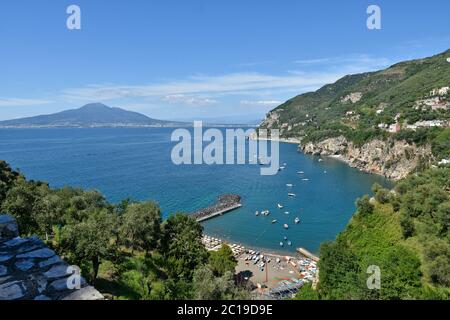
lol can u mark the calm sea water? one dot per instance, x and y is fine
(136, 163)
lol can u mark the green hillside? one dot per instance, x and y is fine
(356, 105)
(405, 233)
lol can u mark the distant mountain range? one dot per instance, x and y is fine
(90, 116)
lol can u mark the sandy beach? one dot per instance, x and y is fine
(267, 271)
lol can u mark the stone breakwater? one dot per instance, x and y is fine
(29, 270)
(392, 159)
(225, 203)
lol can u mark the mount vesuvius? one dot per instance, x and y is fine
(89, 116)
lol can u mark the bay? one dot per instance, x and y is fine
(135, 163)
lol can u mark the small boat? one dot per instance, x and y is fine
(320, 160)
(305, 179)
(300, 172)
(286, 212)
(274, 221)
(281, 244)
(280, 206)
(265, 212)
(257, 213)
(289, 185)
(282, 168)
(286, 226)
(285, 238)
(291, 194)
(297, 220)
(289, 243)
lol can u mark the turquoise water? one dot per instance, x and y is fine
(136, 163)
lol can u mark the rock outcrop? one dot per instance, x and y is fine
(392, 159)
(29, 270)
(352, 97)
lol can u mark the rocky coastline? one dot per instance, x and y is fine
(392, 159)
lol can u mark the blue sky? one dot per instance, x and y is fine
(193, 59)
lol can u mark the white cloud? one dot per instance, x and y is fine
(204, 85)
(265, 103)
(362, 62)
(313, 61)
(189, 100)
(204, 89)
(18, 102)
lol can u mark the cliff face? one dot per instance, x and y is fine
(392, 159)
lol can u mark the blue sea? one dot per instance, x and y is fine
(136, 163)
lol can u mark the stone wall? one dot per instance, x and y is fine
(29, 270)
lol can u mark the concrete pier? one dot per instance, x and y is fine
(225, 203)
(219, 213)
